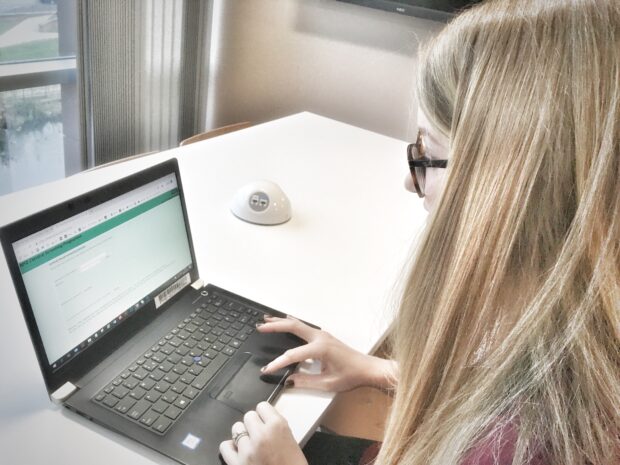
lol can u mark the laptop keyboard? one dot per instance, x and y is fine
(161, 384)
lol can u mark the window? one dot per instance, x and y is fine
(86, 82)
(39, 123)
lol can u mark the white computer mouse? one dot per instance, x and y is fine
(261, 202)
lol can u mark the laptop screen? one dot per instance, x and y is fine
(87, 273)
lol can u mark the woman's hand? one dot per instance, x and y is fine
(342, 368)
(263, 438)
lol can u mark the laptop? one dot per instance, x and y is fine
(125, 332)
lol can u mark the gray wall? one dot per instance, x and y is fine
(271, 58)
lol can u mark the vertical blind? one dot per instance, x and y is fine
(144, 73)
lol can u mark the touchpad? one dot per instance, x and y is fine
(241, 386)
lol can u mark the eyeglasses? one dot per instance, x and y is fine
(418, 162)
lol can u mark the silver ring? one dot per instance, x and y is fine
(238, 436)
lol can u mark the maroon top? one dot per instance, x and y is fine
(498, 449)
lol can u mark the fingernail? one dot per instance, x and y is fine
(267, 316)
(263, 369)
(258, 325)
(289, 382)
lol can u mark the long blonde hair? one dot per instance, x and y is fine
(511, 313)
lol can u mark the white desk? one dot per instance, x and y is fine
(335, 263)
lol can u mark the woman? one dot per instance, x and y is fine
(508, 334)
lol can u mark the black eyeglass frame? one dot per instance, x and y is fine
(420, 162)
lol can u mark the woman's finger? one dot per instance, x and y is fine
(296, 355)
(267, 412)
(238, 429)
(304, 381)
(229, 453)
(252, 423)
(288, 325)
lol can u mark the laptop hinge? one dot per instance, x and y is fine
(63, 392)
(198, 284)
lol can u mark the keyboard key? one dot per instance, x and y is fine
(162, 424)
(217, 346)
(183, 334)
(109, 389)
(110, 401)
(159, 357)
(190, 328)
(162, 386)
(195, 370)
(169, 397)
(183, 350)
(150, 365)
(120, 392)
(187, 361)
(171, 378)
(187, 378)
(131, 383)
(174, 358)
(124, 405)
(178, 387)
(166, 366)
(224, 339)
(167, 349)
(147, 384)
(157, 375)
(191, 392)
(211, 354)
(229, 351)
(152, 396)
(160, 406)
(201, 380)
(137, 393)
(117, 381)
(172, 412)
(99, 397)
(182, 402)
(176, 342)
(140, 373)
(125, 374)
(235, 343)
(139, 409)
(149, 418)
(179, 369)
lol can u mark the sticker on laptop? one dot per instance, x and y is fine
(172, 290)
(191, 441)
